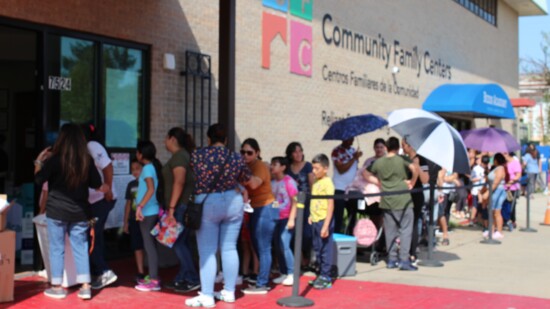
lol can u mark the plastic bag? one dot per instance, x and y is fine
(165, 233)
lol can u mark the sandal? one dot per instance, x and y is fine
(445, 242)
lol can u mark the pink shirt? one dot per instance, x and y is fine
(514, 168)
(284, 191)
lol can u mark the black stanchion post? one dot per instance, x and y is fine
(490, 240)
(528, 227)
(295, 300)
(430, 262)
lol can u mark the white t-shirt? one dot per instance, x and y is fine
(343, 155)
(477, 172)
(449, 185)
(101, 160)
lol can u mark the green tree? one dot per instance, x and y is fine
(538, 70)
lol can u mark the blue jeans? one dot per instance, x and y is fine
(222, 216)
(306, 233)
(182, 248)
(262, 227)
(323, 247)
(284, 253)
(100, 210)
(78, 236)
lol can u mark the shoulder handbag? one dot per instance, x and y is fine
(509, 195)
(453, 197)
(193, 213)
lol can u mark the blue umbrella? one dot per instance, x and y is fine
(352, 126)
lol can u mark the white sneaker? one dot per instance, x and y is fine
(43, 273)
(219, 278)
(289, 280)
(201, 301)
(226, 296)
(279, 279)
(248, 208)
(105, 279)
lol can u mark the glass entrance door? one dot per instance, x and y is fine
(90, 82)
(70, 83)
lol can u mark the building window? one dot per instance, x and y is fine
(459, 124)
(96, 81)
(122, 95)
(485, 9)
(70, 82)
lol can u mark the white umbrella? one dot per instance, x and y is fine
(432, 137)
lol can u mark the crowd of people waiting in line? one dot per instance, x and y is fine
(250, 205)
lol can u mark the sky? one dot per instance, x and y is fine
(530, 37)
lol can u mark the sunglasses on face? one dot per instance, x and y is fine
(247, 152)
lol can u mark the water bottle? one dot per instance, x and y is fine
(361, 204)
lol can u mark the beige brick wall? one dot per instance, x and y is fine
(278, 107)
(168, 26)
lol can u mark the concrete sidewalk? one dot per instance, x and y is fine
(520, 265)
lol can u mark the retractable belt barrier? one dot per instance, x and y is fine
(356, 194)
(296, 300)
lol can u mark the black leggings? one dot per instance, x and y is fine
(418, 202)
(351, 207)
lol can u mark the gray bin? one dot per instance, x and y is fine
(344, 254)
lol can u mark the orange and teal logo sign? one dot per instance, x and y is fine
(298, 33)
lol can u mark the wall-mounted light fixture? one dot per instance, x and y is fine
(169, 62)
(395, 70)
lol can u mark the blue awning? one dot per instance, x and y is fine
(477, 100)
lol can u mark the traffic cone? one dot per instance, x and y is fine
(547, 215)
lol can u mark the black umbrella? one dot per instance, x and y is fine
(432, 137)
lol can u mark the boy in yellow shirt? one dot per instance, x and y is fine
(321, 222)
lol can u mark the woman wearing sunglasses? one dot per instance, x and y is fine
(265, 215)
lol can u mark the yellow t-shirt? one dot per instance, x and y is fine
(319, 207)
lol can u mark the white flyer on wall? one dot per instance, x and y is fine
(121, 163)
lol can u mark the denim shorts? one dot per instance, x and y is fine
(498, 198)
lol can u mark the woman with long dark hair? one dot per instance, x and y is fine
(421, 165)
(498, 177)
(69, 171)
(148, 200)
(178, 184)
(302, 172)
(265, 216)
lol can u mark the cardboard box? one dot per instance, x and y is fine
(3, 220)
(7, 265)
(4, 207)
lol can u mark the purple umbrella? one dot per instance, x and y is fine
(490, 139)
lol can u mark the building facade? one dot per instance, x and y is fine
(134, 69)
(535, 119)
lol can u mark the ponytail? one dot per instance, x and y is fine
(160, 188)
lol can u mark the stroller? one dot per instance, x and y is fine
(368, 236)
